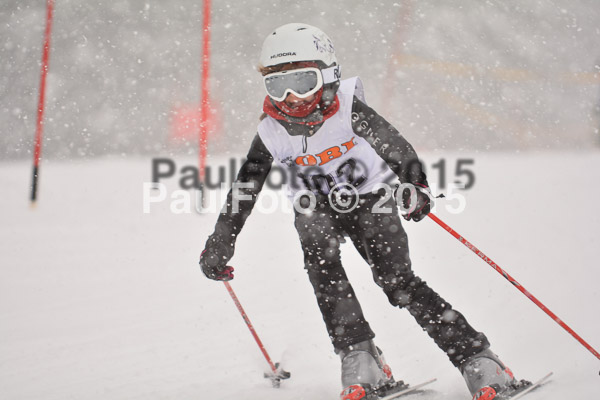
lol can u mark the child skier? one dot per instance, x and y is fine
(321, 126)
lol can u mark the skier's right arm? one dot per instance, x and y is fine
(220, 245)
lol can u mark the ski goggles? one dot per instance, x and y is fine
(302, 82)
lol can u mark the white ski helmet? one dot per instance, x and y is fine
(297, 42)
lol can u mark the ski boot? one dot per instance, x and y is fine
(488, 378)
(365, 375)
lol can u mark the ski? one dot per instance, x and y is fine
(408, 390)
(530, 388)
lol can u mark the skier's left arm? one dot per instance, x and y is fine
(398, 154)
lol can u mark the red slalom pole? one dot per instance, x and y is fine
(37, 150)
(514, 282)
(277, 374)
(204, 84)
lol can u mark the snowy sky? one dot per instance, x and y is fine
(491, 75)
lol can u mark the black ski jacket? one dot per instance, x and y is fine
(389, 144)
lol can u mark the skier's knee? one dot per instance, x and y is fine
(401, 290)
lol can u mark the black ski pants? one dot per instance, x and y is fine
(382, 242)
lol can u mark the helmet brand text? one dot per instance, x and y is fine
(291, 53)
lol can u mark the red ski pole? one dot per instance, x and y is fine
(514, 282)
(277, 374)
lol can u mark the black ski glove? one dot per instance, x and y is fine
(422, 206)
(214, 259)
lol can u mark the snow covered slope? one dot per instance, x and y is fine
(101, 301)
